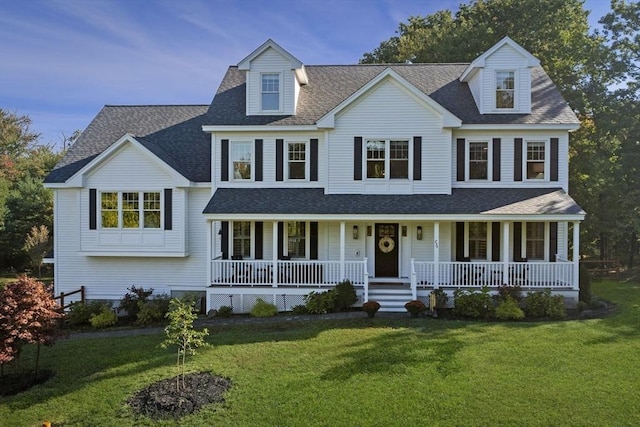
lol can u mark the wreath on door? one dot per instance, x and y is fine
(386, 244)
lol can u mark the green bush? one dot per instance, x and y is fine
(509, 292)
(320, 302)
(133, 301)
(473, 304)
(263, 309)
(104, 319)
(225, 311)
(441, 297)
(508, 309)
(79, 313)
(585, 285)
(299, 309)
(581, 306)
(345, 295)
(153, 310)
(543, 304)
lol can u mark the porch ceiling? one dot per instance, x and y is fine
(462, 201)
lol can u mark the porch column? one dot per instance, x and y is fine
(576, 255)
(209, 254)
(342, 248)
(436, 254)
(274, 245)
(505, 253)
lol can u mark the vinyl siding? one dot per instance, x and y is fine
(270, 61)
(507, 58)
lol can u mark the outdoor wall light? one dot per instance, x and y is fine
(419, 232)
(369, 231)
(355, 232)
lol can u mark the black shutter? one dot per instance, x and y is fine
(225, 239)
(168, 209)
(279, 159)
(517, 241)
(554, 159)
(313, 167)
(460, 149)
(357, 158)
(553, 241)
(280, 240)
(259, 239)
(517, 159)
(258, 150)
(495, 241)
(313, 244)
(417, 158)
(93, 209)
(459, 241)
(496, 159)
(224, 160)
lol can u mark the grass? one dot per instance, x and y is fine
(366, 372)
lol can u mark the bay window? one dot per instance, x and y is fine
(130, 210)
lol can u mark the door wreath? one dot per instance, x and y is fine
(386, 244)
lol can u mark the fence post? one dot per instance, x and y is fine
(62, 300)
(82, 294)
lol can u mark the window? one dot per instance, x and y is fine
(478, 160)
(271, 92)
(535, 160)
(296, 239)
(242, 238)
(241, 157)
(125, 210)
(297, 160)
(378, 162)
(478, 240)
(505, 89)
(535, 240)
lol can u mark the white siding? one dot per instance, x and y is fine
(389, 111)
(475, 86)
(270, 61)
(507, 58)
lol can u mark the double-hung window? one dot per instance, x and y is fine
(478, 240)
(297, 160)
(536, 157)
(271, 92)
(130, 210)
(387, 159)
(297, 239)
(535, 240)
(241, 159)
(242, 239)
(505, 89)
(479, 160)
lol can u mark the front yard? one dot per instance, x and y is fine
(366, 372)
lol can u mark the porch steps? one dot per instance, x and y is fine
(392, 298)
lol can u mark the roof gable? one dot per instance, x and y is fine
(295, 63)
(480, 62)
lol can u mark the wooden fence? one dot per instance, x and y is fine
(63, 295)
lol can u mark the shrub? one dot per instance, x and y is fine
(345, 295)
(371, 308)
(543, 304)
(299, 309)
(508, 309)
(320, 302)
(153, 310)
(581, 306)
(263, 309)
(509, 292)
(473, 304)
(104, 319)
(225, 311)
(80, 313)
(441, 297)
(585, 285)
(415, 307)
(134, 300)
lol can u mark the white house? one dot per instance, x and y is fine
(401, 178)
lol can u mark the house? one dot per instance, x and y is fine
(401, 178)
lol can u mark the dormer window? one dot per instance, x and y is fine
(505, 89)
(270, 92)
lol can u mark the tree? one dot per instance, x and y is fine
(37, 244)
(28, 315)
(180, 332)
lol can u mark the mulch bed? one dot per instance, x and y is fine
(161, 400)
(17, 383)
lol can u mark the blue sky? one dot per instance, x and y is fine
(62, 60)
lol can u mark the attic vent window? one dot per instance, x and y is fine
(505, 89)
(271, 92)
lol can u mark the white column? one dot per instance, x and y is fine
(576, 255)
(436, 255)
(342, 248)
(505, 253)
(210, 260)
(274, 245)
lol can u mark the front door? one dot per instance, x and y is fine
(386, 241)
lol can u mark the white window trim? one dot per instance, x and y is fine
(545, 244)
(468, 161)
(306, 160)
(251, 237)
(253, 162)
(387, 159)
(307, 240)
(467, 246)
(120, 227)
(515, 89)
(280, 92)
(547, 160)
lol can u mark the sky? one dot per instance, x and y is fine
(61, 61)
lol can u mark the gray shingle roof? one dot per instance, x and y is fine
(292, 201)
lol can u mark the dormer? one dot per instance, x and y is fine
(500, 79)
(273, 77)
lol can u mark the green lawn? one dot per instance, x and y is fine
(367, 372)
